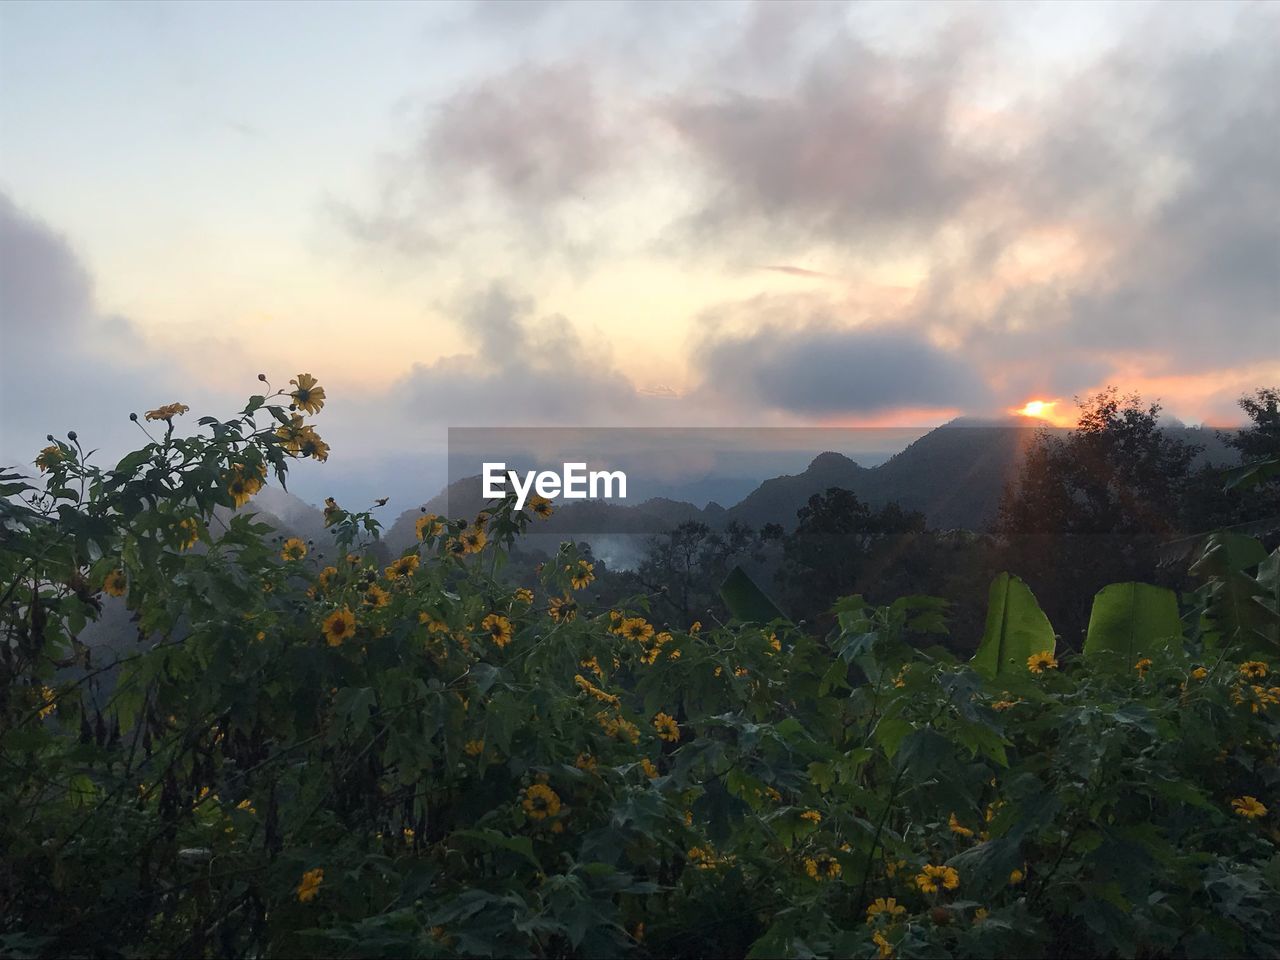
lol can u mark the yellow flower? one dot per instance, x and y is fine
(474, 540)
(811, 815)
(774, 643)
(1248, 807)
(188, 533)
(1199, 673)
(246, 807)
(1253, 669)
(242, 486)
(886, 906)
(650, 651)
(703, 858)
(338, 626)
(293, 549)
(540, 506)
(589, 687)
(49, 457)
(473, 748)
(115, 583)
(1004, 704)
(695, 627)
(822, 867)
(649, 769)
(325, 575)
(524, 595)
(1016, 877)
(583, 575)
(957, 828)
(563, 609)
(540, 802)
(884, 949)
(667, 728)
(933, 877)
(309, 887)
(455, 548)
(168, 411)
(592, 664)
(426, 526)
(1042, 661)
(331, 511)
(301, 440)
(309, 397)
(376, 597)
(48, 701)
(585, 761)
(980, 914)
(636, 628)
(1142, 666)
(403, 567)
(499, 629)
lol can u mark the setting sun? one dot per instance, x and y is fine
(1041, 409)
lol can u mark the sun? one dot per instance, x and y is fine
(1039, 409)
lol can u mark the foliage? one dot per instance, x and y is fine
(1016, 629)
(1130, 621)
(305, 757)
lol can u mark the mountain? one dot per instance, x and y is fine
(954, 475)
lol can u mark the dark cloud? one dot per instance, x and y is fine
(859, 150)
(526, 370)
(825, 370)
(536, 134)
(797, 271)
(62, 364)
(44, 291)
(1199, 279)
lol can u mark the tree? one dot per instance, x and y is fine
(687, 565)
(1092, 507)
(841, 547)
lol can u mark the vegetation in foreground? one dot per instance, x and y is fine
(307, 755)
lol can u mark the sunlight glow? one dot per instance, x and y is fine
(1038, 408)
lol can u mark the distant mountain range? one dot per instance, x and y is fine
(954, 475)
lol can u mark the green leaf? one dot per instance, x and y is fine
(746, 601)
(1016, 628)
(1251, 474)
(495, 840)
(1226, 553)
(1129, 621)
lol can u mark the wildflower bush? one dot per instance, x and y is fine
(306, 753)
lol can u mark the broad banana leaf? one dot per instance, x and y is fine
(1130, 621)
(1016, 628)
(746, 601)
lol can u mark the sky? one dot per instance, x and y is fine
(630, 214)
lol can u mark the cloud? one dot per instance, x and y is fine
(63, 364)
(524, 149)
(860, 149)
(535, 134)
(526, 369)
(45, 292)
(818, 368)
(797, 271)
